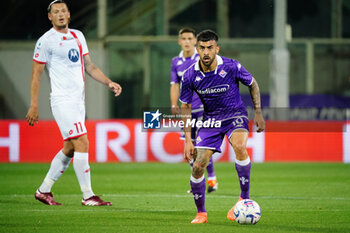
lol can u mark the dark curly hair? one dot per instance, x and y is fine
(207, 35)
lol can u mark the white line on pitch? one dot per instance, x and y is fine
(164, 195)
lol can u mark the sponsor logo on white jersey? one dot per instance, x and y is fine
(73, 55)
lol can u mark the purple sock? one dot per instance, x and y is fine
(210, 168)
(198, 191)
(243, 171)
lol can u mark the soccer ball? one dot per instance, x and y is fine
(247, 211)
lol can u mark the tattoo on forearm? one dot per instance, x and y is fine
(255, 94)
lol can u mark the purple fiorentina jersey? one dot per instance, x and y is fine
(178, 66)
(218, 89)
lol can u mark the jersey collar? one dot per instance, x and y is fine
(63, 36)
(219, 62)
(181, 55)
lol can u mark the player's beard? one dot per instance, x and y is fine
(208, 62)
(61, 26)
(64, 25)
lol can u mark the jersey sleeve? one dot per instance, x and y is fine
(41, 52)
(243, 75)
(173, 73)
(186, 89)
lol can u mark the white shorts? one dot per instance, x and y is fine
(70, 118)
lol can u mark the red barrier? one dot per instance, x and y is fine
(124, 141)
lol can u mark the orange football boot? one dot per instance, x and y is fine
(212, 185)
(230, 214)
(201, 217)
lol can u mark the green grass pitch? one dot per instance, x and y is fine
(151, 197)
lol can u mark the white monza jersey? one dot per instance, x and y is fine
(63, 55)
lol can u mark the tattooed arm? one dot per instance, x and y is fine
(255, 95)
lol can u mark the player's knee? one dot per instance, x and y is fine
(197, 169)
(69, 152)
(81, 144)
(239, 148)
(84, 143)
(68, 149)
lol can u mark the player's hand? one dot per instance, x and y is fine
(32, 115)
(189, 152)
(175, 109)
(259, 121)
(115, 87)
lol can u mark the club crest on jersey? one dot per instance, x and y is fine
(222, 73)
(73, 55)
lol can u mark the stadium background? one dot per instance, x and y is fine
(135, 46)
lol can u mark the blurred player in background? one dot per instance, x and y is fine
(187, 57)
(64, 53)
(216, 80)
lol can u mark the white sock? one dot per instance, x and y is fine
(243, 162)
(195, 180)
(82, 170)
(58, 165)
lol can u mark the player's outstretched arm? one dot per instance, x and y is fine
(174, 97)
(186, 117)
(255, 95)
(33, 112)
(99, 76)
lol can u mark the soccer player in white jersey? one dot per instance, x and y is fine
(64, 53)
(179, 64)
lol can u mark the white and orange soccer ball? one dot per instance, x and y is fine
(247, 211)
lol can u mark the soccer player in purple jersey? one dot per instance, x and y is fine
(216, 81)
(187, 57)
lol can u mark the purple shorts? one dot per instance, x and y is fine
(211, 138)
(198, 115)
